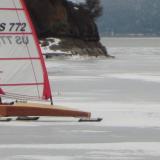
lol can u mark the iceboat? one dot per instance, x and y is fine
(23, 74)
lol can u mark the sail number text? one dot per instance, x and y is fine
(11, 40)
(13, 27)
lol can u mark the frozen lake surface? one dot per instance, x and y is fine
(125, 91)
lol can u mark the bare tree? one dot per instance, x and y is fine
(94, 8)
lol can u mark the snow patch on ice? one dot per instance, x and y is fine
(134, 76)
(121, 114)
(78, 78)
(120, 149)
(38, 157)
(18, 124)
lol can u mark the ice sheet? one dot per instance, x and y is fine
(125, 91)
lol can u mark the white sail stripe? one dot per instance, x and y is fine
(17, 3)
(29, 53)
(23, 68)
(9, 4)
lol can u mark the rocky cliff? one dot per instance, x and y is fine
(69, 22)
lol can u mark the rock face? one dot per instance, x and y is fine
(65, 20)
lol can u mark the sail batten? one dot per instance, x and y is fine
(22, 67)
(17, 33)
(16, 59)
(12, 9)
(22, 84)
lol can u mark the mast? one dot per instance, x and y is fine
(23, 73)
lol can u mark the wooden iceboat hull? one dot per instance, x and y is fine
(29, 109)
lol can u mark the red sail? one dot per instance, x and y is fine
(1, 91)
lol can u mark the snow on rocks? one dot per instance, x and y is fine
(47, 47)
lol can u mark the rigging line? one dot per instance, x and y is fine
(22, 97)
(28, 49)
(18, 97)
(46, 90)
(30, 57)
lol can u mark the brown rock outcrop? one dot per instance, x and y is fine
(64, 19)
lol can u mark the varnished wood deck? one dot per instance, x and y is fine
(31, 109)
